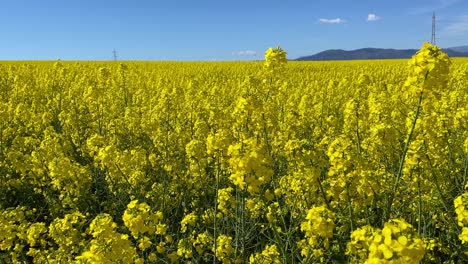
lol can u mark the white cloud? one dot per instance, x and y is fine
(331, 21)
(373, 17)
(247, 53)
(459, 27)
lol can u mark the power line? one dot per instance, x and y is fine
(433, 37)
(115, 54)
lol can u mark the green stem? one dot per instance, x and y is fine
(402, 159)
(350, 208)
(324, 196)
(215, 210)
(419, 204)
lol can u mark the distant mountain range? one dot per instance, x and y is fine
(463, 49)
(374, 53)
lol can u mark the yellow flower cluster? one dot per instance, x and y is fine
(10, 227)
(66, 233)
(269, 255)
(107, 245)
(188, 220)
(275, 57)
(429, 69)
(460, 204)
(250, 164)
(226, 201)
(396, 242)
(203, 242)
(184, 249)
(255, 206)
(224, 250)
(140, 220)
(318, 229)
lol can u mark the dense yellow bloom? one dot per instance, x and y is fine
(140, 220)
(107, 245)
(269, 255)
(34, 232)
(318, 224)
(262, 162)
(144, 243)
(250, 164)
(397, 242)
(462, 215)
(184, 249)
(203, 242)
(225, 200)
(66, 233)
(275, 57)
(429, 67)
(224, 249)
(255, 206)
(13, 225)
(195, 149)
(188, 220)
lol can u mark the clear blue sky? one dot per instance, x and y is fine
(219, 29)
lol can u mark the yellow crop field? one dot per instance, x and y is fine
(270, 161)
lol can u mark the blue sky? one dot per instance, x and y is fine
(219, 29)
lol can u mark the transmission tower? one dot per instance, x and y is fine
(115, 54)
(433, 37)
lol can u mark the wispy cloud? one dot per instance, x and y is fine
(457, 28)
(373, 17)
(331, 21)
(247, 53)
